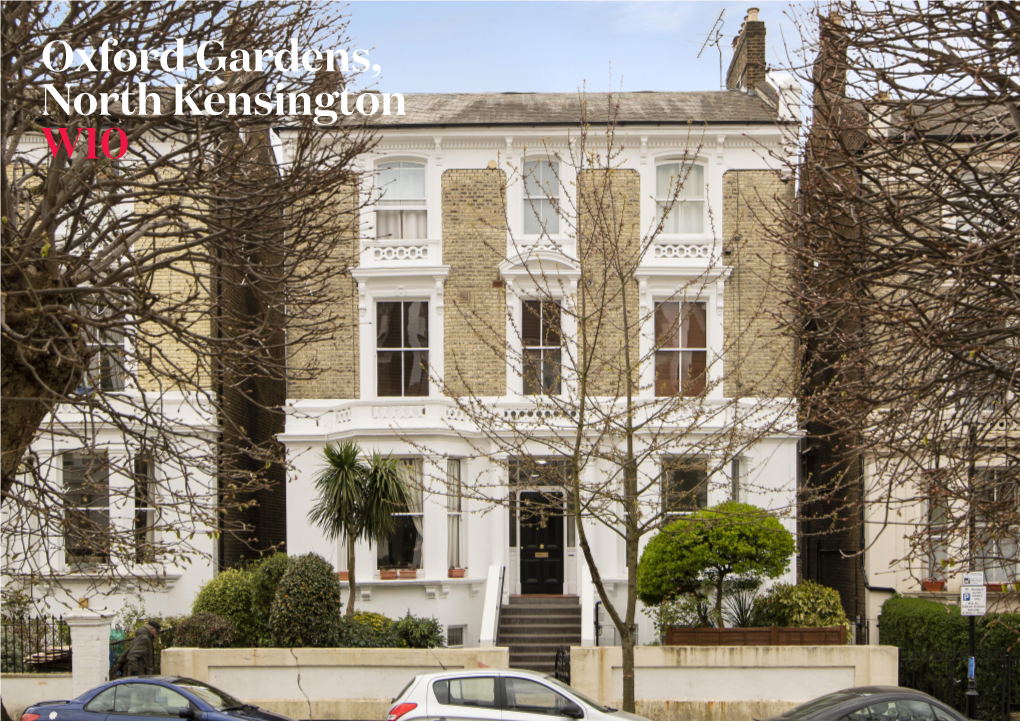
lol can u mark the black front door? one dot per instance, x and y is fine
(541, 517)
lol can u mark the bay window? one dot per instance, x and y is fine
(402, 549)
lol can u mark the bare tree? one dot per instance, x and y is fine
(617, 392)
(150, 302)
(907, 305)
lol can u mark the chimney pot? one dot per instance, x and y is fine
(752, 15)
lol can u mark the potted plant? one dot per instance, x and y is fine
(457, 572)
(409, 573)
(933, 584)
(388, 574)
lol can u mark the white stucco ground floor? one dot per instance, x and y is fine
(485, 530)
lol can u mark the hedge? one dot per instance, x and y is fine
(919, 627)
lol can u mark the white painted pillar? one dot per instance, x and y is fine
(90, 649)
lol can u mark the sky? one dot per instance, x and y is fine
(473, 46)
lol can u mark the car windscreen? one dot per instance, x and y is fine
(821, 703)
(219, 700)
(556, 682)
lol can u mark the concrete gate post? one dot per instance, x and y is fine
(90, 649)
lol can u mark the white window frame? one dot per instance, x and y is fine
(541, 348)
(402, 349)
(380, 166)
(71, 560)
(527, 201)
(681, 349)
(455, 513)
(151, 508)
(669, 516)
(463, 636)
(415, 469)
(687, 194)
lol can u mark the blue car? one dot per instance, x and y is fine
(138, 698)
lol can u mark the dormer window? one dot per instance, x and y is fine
(541, 197)
(687, 216)
(401, 212)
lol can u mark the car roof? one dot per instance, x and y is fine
(483, 672)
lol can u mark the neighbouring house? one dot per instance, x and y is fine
(913, 515)
(435, 253)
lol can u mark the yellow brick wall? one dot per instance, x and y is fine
(609, 224)
(329, 367)
(474, 244)
(760, 358)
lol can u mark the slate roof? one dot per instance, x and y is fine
(437, 109)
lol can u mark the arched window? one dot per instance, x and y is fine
(401, 211)
(541, 197)
(687, 216)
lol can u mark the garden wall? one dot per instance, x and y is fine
(321, 683)
(21, 690)
(728, 683)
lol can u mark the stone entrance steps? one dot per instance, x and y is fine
(535, 627)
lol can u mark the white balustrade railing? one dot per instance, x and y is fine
(383, 253)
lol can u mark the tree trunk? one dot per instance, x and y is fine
(718, 601)
(350, 576)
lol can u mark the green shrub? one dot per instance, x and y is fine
(306, 610)
(267, 575)
(415, 632)
(368, 630)
(230, 595)
(924, 630)
(204, 630)
(12, 653)
(919, 627)
(805, 605)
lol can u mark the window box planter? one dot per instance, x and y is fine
(933, 585)
(388, 575)
(409, 573)
(456, 572)
(342, 575)
(993, 587)
(766, 636)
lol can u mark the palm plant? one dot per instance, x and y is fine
(357, 499)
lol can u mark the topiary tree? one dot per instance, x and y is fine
(230, 595)
(204, 630)
(306, 610)
(265, 581)
(727, 541)
(357, 500)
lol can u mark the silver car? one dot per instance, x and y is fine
(495, 695)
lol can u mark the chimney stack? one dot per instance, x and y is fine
(747, 68)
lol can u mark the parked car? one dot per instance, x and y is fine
(491, 695)
(150, 697)
(872, 703)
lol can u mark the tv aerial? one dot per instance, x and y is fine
(714, 38)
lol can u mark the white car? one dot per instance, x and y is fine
(495, 695)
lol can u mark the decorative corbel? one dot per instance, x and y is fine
(644, 150)
(440, 291)
(643, 303)
(720, 294)
(439, 151)
(720, 146)
(365, 592)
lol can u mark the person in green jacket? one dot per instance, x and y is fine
(137, 659)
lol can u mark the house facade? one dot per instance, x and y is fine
(446, 270)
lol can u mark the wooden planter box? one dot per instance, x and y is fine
(409, 573)
(771, 636)
(343, 575)
(456, 572)
(388, 575)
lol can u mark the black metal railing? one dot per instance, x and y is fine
(35, 645)
(563, 664)
(945, 678)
